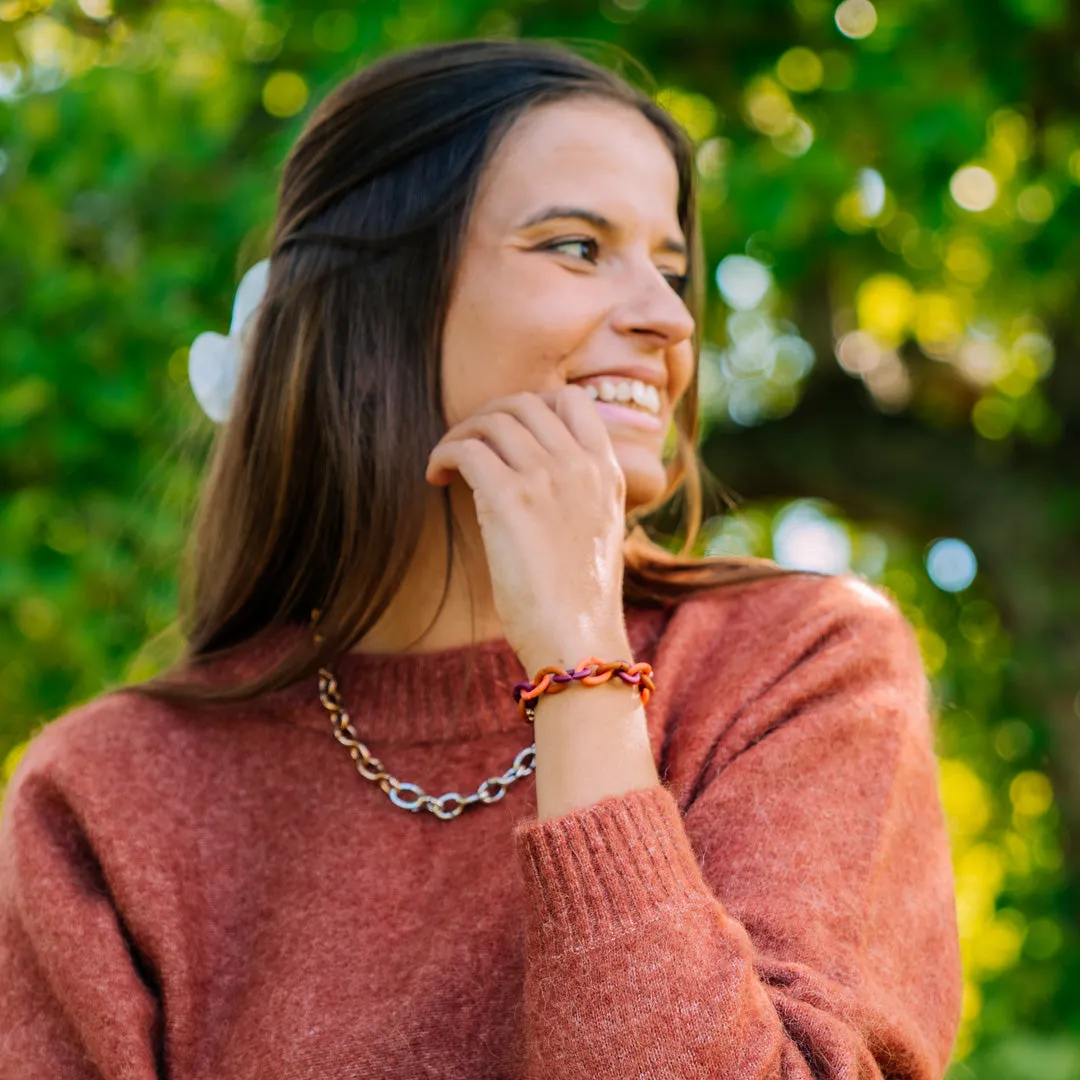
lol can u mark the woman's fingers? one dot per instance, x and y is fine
(479, 465)
(568, 422)
(550, 500)
(511, 440)
(536, 413)
(527, 432)
(575, 408)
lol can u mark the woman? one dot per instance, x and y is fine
(749, 879)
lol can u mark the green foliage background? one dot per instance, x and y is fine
(906, 178)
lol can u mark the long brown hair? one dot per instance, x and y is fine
(315, 492)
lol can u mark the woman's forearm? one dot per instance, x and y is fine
(591, 741)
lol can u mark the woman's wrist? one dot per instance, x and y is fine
(567, 651)
(591, 742)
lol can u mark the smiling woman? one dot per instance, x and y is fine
(587, 286)
(478, 327)
(455, 225)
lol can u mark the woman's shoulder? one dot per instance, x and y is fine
(823, 659)
(762, 630)
(115, 745)
(75, 765)
(790, 601)
(94, 731)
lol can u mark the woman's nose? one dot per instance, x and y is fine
(653, 309)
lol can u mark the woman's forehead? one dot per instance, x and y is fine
(582, 151)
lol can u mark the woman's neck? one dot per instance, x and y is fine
(468, 613)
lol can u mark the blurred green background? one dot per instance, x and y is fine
(891, 197)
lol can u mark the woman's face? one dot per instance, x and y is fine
(572, 269)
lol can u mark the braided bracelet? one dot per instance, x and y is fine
(554, 679)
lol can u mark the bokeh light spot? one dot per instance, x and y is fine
(695, 112)
(993, 417)
(742, 532)
(1031, 794)
(1035, 204)
(799, 69)
(37, 618)
(262, 41)
(796, 140)
(1074, 166)
(982, 866)
(1036, 347)
(99, 10)
(859, 352)
(972, 1000)
(933, 649)
(998, 946)
(890, 383)
(712, 158)
(856, 18)
(885, 306)
(804, 538)
(1009, 128)
(743, 282)
(284, 94)
(967, 259)
(792, 358)
(939, 324)
(1012, 739)
(973, 188)
(951, 565)
(965, 797)
(981, 362)
(871, 189)
(767, 106)
(1044, 939)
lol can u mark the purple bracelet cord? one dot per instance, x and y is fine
(525, 686)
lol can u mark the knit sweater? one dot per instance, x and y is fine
(217, 894)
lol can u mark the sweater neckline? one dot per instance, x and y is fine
(446, 695)
(453, 694)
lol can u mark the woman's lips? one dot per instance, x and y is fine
(622, 414)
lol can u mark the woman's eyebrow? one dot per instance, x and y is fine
(580, 213)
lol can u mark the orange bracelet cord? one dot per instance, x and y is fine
(554, 679)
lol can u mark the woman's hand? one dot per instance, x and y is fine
(551, 503)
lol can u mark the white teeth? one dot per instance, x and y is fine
(626, 391)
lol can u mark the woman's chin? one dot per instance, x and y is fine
(646, 477)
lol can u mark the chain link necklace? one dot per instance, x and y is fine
(371, 768)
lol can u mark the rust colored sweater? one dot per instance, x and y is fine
(220, 897)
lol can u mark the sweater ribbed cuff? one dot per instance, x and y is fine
(603, 870)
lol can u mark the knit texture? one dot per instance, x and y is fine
(215, 894)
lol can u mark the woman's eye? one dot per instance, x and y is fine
(586, 248)
(678, 282)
